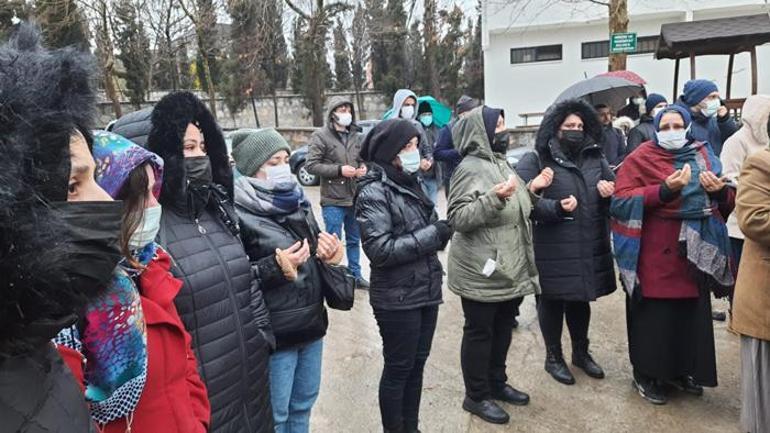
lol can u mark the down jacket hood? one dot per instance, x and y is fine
(334, 103)
(170, 118)
(555, 116)
(755, 116)
(45, 95)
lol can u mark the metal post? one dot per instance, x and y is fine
(676, 79)
(692, 65)
(753, 70)
(730, 74)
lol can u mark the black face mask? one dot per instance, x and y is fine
(572, 140)
(91, 233)
(501, 141)
(198, 170)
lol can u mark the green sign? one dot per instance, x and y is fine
(622, 43)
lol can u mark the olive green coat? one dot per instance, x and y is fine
(485, 226)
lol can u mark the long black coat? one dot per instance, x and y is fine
(572, 251)
(399, 237)
(296, 307)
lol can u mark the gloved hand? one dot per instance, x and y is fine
(444, 231)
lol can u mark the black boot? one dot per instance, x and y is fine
(556, 367)
(511, 395)
(487, 410)
(581, 358)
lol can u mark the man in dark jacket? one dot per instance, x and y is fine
(711, 121)
(58, 229)
(645, 130)
(333, 155)
(444, 151)
(220, 302)
(571, 232)
(612, 142)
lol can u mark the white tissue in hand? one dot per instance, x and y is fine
(489, 267)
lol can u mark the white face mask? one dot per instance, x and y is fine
(407, 112)
(148, 230)
(410, 161)
(279, 173)
(344, 119)
(711, 108)
(655, 111)
(672, 139)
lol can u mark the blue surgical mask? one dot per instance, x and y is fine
(712, 108)
(148, 230)
(426, 120)
(410, 161)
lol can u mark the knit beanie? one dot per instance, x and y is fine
(424, 108)
(653, 99)
(253, 147)
(387, 139)
(465, 104)
(696, 90)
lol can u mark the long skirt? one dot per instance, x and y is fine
(672, 338)
(755, 385)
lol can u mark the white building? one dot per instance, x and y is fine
(534, 49)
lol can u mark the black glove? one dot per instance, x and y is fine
(444, 231)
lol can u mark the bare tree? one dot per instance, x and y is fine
(165, 20)
(202, 16)
(98, 13)
(360, 55)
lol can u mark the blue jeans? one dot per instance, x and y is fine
(334, 218)
(430, 188)
(295, 379)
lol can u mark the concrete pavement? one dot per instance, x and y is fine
(353, 363)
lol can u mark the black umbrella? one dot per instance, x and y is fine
(611, 91)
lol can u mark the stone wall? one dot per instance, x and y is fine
(292, 112)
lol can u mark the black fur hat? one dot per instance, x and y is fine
(170, 118)
(555, 116)
(44, 97)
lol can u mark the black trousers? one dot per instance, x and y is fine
(406, 340)
(551, 315)
(486, 339)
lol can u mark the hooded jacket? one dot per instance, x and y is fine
(751, 138)
(328, 152)
(487, 229)
(572, 250)
(220, 302)
(426, 146)
(712, 130)
(44, 96)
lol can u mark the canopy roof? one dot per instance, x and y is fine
(719, 36)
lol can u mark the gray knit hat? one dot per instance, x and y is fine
(253, 147)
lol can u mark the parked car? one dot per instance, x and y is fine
(514, 155)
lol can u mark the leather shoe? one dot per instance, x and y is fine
(581, 358)
(511, 395)
(362, 284)
(556, 367)
(487, 410)
(686, 384)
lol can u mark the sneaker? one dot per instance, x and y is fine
(718, 316)
(362, 284)
(650, 391)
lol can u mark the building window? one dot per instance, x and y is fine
(601, 49)
(535, 54)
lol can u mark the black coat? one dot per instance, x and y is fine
(613, 144)
(220, 302)
(38, 394)
(398, 236)
(572, 251)
(296, 307)
(644, 131)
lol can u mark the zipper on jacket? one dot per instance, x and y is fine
(237, 315)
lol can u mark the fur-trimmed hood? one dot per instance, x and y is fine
(555, 116)
(45, 95)
(170, 118)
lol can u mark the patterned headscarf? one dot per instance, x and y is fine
(116, 157)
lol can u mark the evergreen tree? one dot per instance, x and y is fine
(375, 16)
(431, 38)
(360, 54)
(242, 64)
(280, 51)
(342, 77)
(208, 43)
(473, 69)
(63, 23)
(184, 68)
(394, 35)
(297, 78)
(450, 54)
(414, 78)
(134, 47)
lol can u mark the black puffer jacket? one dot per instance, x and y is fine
(135, 125)
(572, 251)
(220, 303)
(398, 236)
(296, 307)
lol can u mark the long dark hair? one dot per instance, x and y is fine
(133, 193)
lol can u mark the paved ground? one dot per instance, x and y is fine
(353, 363)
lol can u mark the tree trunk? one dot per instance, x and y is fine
(275, 102)
(108, 61)
(207, 71)
(359, 103)
(618, 24)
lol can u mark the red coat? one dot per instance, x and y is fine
(174, 399)
(662, 271)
